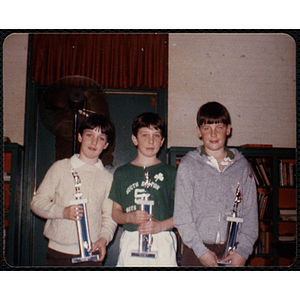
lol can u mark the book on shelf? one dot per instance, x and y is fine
(262, 204)
(256, 172)
(287, 172)
(256, 176)
(263, 170)
(259, 170)
(288, 214)
(287, 238)
(288, 211)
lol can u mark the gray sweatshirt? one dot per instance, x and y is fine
(204, 197)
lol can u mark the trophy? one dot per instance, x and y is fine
(232, 226)
(84, 239)
(222, 250)
(145, 241)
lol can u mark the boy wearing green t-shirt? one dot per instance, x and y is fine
(128, 188)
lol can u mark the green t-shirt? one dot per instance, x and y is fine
(128, 186)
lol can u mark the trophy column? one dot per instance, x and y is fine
(145, 241)
(233, 225)
(85, 244)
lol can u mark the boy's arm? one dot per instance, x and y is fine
(236, 260)
(155, 226)
(101, 246)
(42, 203)
(137, 217)
(118, 215)
(140, 218)
(183, 214)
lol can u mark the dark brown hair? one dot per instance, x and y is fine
(149, 119)
(103, 122)
(211, 113)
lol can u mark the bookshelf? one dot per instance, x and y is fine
(274, 170)
(13, 169)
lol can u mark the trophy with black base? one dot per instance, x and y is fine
(84, 239)
(145, 241)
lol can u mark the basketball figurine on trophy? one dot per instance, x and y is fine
(145, 241)
(232, 227)
(84, 239)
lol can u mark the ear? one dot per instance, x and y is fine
(134, 140)
(162, 141)
(79, 138)
(199, 132)
(228, 130)
(105, 146)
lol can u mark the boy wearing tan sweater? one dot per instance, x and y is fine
(53, 197)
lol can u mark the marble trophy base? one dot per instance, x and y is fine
(85, 258)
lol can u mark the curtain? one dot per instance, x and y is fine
(113, 60)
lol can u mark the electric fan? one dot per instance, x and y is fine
(65, 104)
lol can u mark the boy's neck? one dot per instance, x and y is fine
(145, 161)
(219, 155)
(87, 160)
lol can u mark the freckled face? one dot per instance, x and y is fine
(93, 142)
(148, 141)
(214, 136)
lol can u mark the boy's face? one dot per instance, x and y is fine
(148, 141)
(93, 142)
(214, 136)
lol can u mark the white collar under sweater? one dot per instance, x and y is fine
(76, 162)
(222, 166)
(228, 160)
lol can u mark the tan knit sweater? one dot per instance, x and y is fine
(57, 190)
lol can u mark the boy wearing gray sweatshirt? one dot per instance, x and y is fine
(205, 191)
